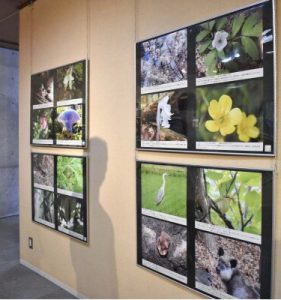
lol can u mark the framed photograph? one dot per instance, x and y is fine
(71, 216)
(59, 189)
(163, 62)
(207, 228)
(59, 106)
(229, 62)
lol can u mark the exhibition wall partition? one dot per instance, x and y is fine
(149, 149)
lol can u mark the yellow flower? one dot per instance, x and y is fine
(247, 129)
(224, 118)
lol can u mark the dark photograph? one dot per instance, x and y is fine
(42, 88)
(42, 124)
(230, 44)
(164, 60)
(165, 244)
(70, 82)
(44, 207)
(43, 169)
(163, 117)
(71, 215)
(227, 266)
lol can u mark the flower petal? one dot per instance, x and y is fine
(214, 110)
(235, 116)
(212, 126)
(251, 120)
(253, 132)
(244, 137)
(225, 103)
(226, 128)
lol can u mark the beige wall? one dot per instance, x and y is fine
(56, 32)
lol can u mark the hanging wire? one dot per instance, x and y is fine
(9, 16)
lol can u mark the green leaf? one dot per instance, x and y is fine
(211, 24)
(221, 54)
(220, 23)
(255, 31)
(214, 175)
(250, 22)
(203, 46)
(210, 59)
(250, 47)
(205, 26)
(253, 199)
(237, 24)
(201, 35)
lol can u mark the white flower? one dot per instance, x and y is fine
(220, 40)
(68, 78)
(163, 115)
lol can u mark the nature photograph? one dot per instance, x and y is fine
(164, 116)
(165, 244)
(42, 88)
(70, 214)
(230, 44)
(163, 189)
(164, 59)
(70, 173)
(229, 198)
(69, 122)
(70, 82)
(42, 124)
(43, 169)
(43, 206)
(232, 112)
(228, 266)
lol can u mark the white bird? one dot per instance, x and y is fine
(161, 192)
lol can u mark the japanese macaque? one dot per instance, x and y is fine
(163, 243)
(233, 279)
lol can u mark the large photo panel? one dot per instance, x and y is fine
(208, 228)
(59, 193)
(59, 106)
(228, 105)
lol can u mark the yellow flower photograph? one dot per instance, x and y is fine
(230, 112)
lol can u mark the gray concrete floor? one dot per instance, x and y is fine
(17, 281)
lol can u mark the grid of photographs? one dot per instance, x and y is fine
(195, 86)
(207, 228)
(58, 106)
(59, 193)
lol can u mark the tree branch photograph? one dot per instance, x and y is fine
(230, 199)
(163, 62)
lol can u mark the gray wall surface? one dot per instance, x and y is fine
(8, 132)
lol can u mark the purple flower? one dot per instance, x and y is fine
(68, 118)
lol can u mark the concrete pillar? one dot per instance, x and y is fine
(8, 132)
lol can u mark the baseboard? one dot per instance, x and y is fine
(8, 216)
(53, 280)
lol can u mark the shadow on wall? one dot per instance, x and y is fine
(94, 264)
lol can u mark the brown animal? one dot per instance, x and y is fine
(163, 243)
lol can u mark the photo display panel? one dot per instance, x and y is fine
(209, 229)
(58, 106)
(209, 87)
(59, 193)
